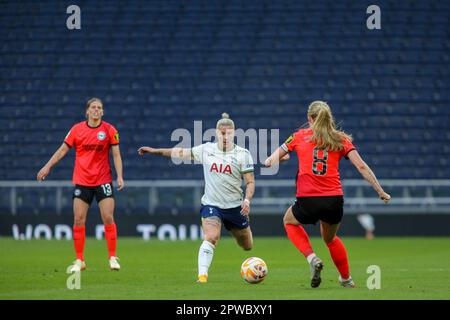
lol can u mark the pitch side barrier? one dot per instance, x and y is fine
(183, 197)
(169, 209)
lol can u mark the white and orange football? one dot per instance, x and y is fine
(254, 270)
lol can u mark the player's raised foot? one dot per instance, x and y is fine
(316, 267)
(77, 266)
(203, 278)
(114, 264)
(347, 283)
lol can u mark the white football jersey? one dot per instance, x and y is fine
(223, 171)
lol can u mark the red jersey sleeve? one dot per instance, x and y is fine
(113, 136)
(348, 146)
(70, 137)
(290, 143)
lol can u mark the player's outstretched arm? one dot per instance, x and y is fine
(276, 157)
(178, 153)
(368, 174)
(118, 166)
(57, 156)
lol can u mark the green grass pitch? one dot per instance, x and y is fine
(411, 268)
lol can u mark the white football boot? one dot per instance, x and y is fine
(78, 265)
(114, 264)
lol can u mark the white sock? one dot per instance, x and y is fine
(342, 279)
(205, 256)
(310, 257)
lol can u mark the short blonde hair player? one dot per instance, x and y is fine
(225, 165)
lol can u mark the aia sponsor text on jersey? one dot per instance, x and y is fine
(221, 168)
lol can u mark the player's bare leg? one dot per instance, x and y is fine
(107, 213)
(337, 252)
(80, 209)
(211, 234)
(300, 239)
(244, 238)
(289, 217)
(107, 210)
(328, 231)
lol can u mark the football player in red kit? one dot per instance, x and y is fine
(92, 140)
(319, 192)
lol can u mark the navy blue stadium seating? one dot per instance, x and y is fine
(160, 65)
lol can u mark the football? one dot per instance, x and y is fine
(254, 270)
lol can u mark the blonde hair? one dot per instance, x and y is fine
(225, 121)
(88, 104)
(94, 99)
(325, 134)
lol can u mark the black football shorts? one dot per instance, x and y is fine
(309, 210)
(87, 193)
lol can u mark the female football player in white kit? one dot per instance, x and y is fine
(224, 166)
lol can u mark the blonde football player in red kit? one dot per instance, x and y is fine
(319, 192)
(92, 140)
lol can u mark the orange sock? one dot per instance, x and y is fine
(79, 236)
(299, 238)
(339, 256)
(111, 238)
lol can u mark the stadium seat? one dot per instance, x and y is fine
(159, 68)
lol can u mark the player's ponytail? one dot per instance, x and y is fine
(325, 134)
(225, 121)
